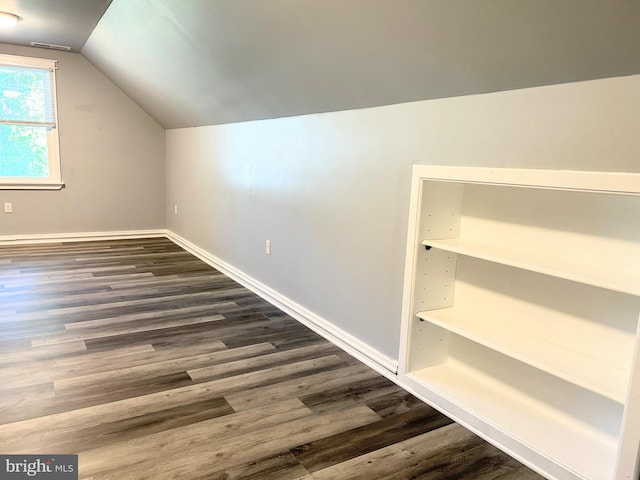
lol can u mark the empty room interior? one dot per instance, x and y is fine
(315, 240)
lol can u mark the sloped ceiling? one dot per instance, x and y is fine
(202, 62)
(60, 22)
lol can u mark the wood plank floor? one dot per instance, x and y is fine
(150, 364)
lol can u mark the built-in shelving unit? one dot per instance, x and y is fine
(521, 310)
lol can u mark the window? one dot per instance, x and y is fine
(29, 152)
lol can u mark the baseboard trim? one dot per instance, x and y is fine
(79, 236)
(369, 356)
(366, 354)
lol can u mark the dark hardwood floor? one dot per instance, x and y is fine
(150, 364)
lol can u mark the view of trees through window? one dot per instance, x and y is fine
(24, 97)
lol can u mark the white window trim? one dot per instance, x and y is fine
(54, 181)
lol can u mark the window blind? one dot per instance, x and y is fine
(27, 92)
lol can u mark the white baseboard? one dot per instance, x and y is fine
(79, 236)
(347, 342)
(366, 354)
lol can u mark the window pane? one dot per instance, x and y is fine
(25, 94)
(23, 152)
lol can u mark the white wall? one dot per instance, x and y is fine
(112, 159)
(331, 191)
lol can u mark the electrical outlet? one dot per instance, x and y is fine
(175, 209)
(8, 207)
(267, 247)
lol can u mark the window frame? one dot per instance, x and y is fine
(54, 180)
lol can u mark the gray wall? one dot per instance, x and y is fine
(331, 191)
(112, 159)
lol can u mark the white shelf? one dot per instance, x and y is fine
(602, 276)
(580, 449)
(589, 181)
(574, 367)
(528, 304)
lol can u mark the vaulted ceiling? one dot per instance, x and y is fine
(201, 62)
(64, 23)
